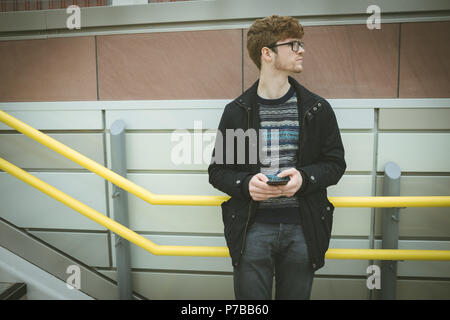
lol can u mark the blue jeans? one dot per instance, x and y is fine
(274, 250)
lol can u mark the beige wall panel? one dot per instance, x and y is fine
(439, 269)
(174, 286)
(170, 65)
(347, 61)
(58, 120)
(426, 289)
(25, 152)
(208, 219)
(56, 69)
(90, 248)
(420, 222)
(180, 286)
(420, 152)
(153, 151)
(423, 290)
(339, 289)
(419, 268)
(28, 207)
(166, 286)
(424, 63)
(397, 119)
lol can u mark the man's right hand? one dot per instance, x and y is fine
(260, 190)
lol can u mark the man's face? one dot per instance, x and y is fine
(287, 60)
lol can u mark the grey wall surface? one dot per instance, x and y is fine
(372, 135)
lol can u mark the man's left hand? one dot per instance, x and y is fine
(289, 189)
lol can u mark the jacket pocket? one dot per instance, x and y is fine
(228, 217)
(327, 217)
(233, 213)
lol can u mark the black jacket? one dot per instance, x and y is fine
(320, 160)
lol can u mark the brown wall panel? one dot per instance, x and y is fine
(60, 69)
(172, 65)
(348, 61)
(424, 60)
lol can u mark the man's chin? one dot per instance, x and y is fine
(297, 69)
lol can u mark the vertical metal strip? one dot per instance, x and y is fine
(120, 208)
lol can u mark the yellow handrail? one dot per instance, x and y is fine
(107, 222)
(371, 254)
(193, 200)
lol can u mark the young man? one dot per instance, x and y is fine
(284, 230)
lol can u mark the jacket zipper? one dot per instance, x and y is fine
(301, 153)
(246, 226)
(301, 130)
(251, 200)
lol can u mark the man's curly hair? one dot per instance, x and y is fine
(267, 31)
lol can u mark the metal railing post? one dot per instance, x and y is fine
(120, 204)
(391, 187)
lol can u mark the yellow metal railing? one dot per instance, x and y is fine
(192, 200)
(371, 254)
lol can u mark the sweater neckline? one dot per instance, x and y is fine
(277, 101)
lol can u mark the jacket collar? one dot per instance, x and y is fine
(248, 99)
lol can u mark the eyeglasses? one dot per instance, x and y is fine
(295, 45)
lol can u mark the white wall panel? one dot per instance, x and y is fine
(58, 119)
(420, 152)
(24, 152)
(157, 119)
(28, 207)
(160, 218)
(351, 221)
(164, 119)
(355, 118)
(155, 151)
(143, 259)
(90, 248)
(358, 151)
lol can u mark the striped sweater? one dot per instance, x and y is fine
(280, 134)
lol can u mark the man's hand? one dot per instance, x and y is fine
(289, 189)
(260, 190)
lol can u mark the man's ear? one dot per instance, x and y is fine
(266, 55)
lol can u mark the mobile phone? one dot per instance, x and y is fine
(277, 181)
